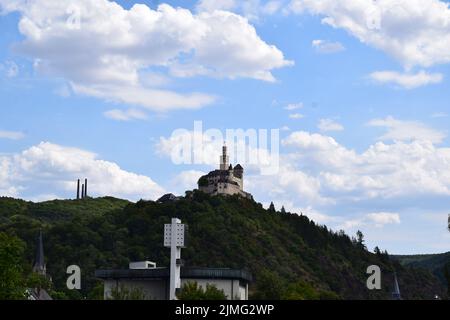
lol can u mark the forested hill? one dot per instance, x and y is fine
(289, 256)
(436, 263)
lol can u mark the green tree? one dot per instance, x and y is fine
(124, 293)
(300, 290)
(377, 251)
(97, 292)
(269, 286)
(35, 280)
(12, 282)
(360, 239)
(192, 291)
(272, 207)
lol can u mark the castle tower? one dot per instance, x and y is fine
(224, 159)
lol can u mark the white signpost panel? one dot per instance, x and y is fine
(174, 239)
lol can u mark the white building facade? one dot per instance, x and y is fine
(154, 282)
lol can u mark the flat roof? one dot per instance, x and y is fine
(186, 273)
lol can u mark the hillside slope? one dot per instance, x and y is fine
(432, 262)
(290, 256)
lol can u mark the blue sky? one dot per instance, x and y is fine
(364, 146)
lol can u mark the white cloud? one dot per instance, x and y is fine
(351, 224)
(439, 115)
(376, 219)
(10, 69)
(383, 171)
(272, 7)
(415, 32)
(63, 91)
(296, 116)
(50, 169)
(211, 5)
(251, 9)
(154, 99)
(186, 180)
(329, 125)
(407, 80)
(203, 148)
(382, 218)
(108, 54)
(327, 47)
(125, 115)
(407, 130)
(294, 106)
(13, 70)
(12, 135)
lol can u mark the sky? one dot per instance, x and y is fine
(358, 90)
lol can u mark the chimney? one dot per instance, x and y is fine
(85, 187)
(78, 189)
(82, 191)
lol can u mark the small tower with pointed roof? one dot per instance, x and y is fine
(396, 293)
(39, 263)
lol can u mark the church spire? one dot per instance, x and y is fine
(39, 263)
(396, 292)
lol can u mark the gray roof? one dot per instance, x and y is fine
(187, 273)
(168, 197)
(38, 294)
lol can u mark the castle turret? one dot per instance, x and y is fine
(238, 171)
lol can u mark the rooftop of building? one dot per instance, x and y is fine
(186, 273)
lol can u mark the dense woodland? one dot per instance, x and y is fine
(290, 256)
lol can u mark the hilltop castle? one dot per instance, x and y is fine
(225, 180)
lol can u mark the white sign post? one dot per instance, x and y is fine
(174, 238)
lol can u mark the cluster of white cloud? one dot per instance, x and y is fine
(398, 130)
(9, 68)
(294, 106)
(329, 125)
(383, 171)
(12, 135)
(296, 116)
(252, 9)
(415, 32)
(406, 80)
(376, 219)
(48, 169)
(201, 148)
(107, 51)
(327, 47)
(126, 115)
